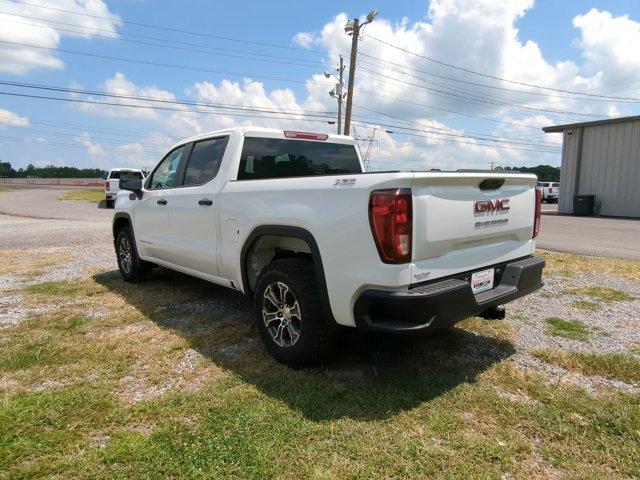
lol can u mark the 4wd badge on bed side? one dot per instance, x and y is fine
(344, 182)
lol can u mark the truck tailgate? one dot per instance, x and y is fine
(459, 226)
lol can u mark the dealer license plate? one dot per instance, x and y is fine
(482, 281)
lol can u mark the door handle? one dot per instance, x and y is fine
(206, 202)
(162, 201)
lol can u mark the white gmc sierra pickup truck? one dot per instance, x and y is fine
(292, 219)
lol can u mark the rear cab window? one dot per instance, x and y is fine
(264, 158)
(116, 175)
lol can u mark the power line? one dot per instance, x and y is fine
(91, 137)
(167, 29)
(70, 145)
(311, 113)
(381, 62)
(159, 64)
(466, 134)
(314, 117)
(234, 54)
(454, 112)
(467, 98)
(494, 142)
(123, 133)
(495, 77)
(149, 107)
(302, 113)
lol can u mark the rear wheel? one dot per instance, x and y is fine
(131, 267)
(289, 314)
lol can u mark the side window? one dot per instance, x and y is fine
(204, 161)
(166, 173)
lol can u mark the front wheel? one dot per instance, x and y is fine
(289, 313)
(131, 267)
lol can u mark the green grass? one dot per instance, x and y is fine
(94, 195)
(4, 188)
(109, 395)
(62, 289)
(620, 366)
(604, 294)
(572, 329)
(586, 305)
(568, 265)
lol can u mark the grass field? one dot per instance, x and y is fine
(94, 195)
(168, 379)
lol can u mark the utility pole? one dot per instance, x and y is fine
(353, 28)
(337, 91)
(340, 94)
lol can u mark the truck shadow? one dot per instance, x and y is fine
(367, 377)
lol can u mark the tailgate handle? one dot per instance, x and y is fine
(491, 183)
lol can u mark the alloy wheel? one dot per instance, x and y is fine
(281, 314)
(125, 255)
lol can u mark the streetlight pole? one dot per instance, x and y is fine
(353, 28)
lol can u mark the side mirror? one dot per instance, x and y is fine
(131, 183)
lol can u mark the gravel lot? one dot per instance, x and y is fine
(84, 247)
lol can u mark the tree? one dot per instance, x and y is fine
(6, 170)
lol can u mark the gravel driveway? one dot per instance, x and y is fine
(84, 247)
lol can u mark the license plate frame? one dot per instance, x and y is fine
(482, 281)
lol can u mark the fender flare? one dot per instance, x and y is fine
(293, 232)
(118, 216)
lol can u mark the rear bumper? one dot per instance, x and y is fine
(442, 303)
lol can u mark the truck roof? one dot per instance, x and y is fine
(262, 132)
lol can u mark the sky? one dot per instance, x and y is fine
(439, 84)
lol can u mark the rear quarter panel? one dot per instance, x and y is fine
(337, 217)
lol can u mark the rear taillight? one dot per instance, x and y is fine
(538, 214)
(106, 186)
(390, 217)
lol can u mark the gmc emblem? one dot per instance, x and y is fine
(497, 205)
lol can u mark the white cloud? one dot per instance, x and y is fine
(609, 45)
(11, 119)
(479, 35)
(120, 85)
(304, 39)
(95, 150)
(18, 60)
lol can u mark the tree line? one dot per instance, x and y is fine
(49, 171)
(545, 173)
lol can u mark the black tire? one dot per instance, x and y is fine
(313, 327)
(132, 269)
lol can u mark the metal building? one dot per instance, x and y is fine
(601, 158)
